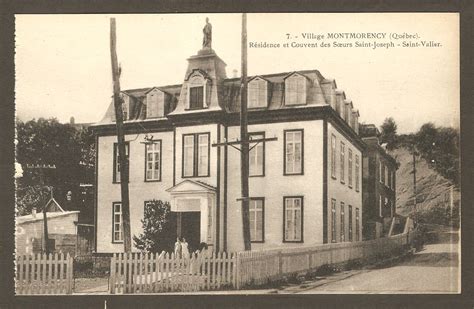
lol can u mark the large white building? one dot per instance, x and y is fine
(305, 187)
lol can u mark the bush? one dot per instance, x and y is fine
(157, 226)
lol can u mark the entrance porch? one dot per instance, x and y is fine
(193, 202)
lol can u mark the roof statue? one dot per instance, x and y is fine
(207, 38)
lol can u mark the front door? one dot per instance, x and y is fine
(191, 229)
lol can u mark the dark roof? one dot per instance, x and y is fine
(319, 90)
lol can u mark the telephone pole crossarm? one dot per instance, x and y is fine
(239, 142)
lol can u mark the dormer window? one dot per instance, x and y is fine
(257, 93)
(295, 89)
(197, 91)
(155, 103)
(125, 106)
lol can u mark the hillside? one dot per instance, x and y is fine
(432, 188)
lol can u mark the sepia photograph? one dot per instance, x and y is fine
(237, 154)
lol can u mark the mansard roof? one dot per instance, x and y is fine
(319, 88)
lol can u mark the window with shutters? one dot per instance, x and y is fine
(257, 155)
(153, 161)
(357, 225)
(257, 219)
(117, 167)
(343, 160)
(333, 156)
(349, 172)
(343, 228)
(293, 219)
(257, 93)
(295, 90)
(350, 223)
(357, 173)
(293, 161)
(155, 102)
(117, 231)
(333, 220)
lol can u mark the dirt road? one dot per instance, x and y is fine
(432, 270)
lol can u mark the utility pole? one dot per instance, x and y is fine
(244, 141)
(127, 242)
(244, 154)
(414, 185)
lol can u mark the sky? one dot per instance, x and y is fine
(63, 61)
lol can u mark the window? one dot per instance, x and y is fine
(333, 220)
(342, 162)
(380, 205)
(153, 161)
(196, 96)
(155, 102)
(257, 155)
(295, 90)
(117, 232)
(349, 172)
(196, 155)
(197, 90)
(125, 106)
(383, 173)
(343, 228)
(293, 219)
(350, 223)
(357, 225)
(333, 156)
(357, 173)
(116, 174)
(293, 152)
(380, 171)
(257, 93)
(393, 180)
(256, 212)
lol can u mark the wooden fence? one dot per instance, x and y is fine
(44, 274)
(152, 273)
(260, 267)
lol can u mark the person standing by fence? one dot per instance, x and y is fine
(177, 248)
(184, 248)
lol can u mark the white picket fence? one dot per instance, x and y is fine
(153, 273)
(262, 266)
(44, 274)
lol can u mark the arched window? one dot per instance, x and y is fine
(257, 93)
(197, 92)
(295, 90)
(155, 103)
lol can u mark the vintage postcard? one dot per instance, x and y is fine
(235, 153)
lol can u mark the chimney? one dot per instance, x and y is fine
(72, 120)
(234, 73)
(33, 212)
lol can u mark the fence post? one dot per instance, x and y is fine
(112, 275)
(237, 273)
(69, 274)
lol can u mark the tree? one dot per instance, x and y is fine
(157, 226)
(439, 146)
(389, 133)
(46, 141)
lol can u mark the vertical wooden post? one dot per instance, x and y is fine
(121, 141)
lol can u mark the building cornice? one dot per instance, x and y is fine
(261, 116)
